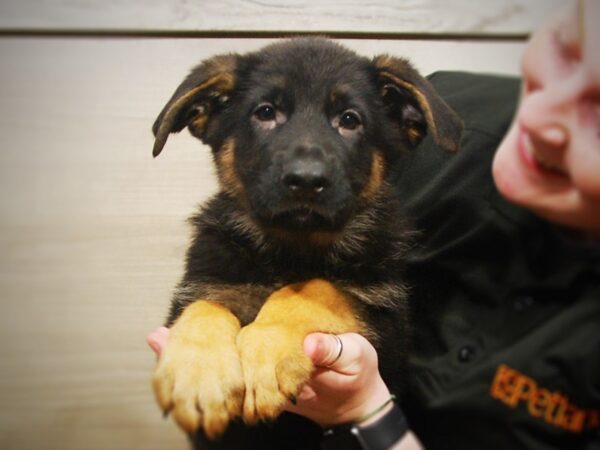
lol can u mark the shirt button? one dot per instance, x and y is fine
(522, 302)
(466, 353)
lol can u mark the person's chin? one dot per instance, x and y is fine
(520, 178)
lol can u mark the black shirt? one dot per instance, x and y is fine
(507, 307)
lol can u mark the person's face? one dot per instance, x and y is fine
(549, 161)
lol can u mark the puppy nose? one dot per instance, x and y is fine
(306, 178)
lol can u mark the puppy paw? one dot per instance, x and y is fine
(199, 375)
(275, 368)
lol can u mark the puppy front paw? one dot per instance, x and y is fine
(199, 375)
(274, 366)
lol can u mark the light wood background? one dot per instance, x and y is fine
(92, 229)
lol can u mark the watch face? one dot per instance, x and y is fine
(340, 438)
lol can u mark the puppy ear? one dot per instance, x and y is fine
(414, 101)
(202, 93)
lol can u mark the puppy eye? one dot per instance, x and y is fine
(350, 120)
(265, 112)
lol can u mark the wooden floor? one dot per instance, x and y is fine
(92, 229)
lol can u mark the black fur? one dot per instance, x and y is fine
(300, 197)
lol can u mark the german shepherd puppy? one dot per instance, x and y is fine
(305, 234)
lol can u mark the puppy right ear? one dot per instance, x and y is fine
(416, 105)
(205, 89)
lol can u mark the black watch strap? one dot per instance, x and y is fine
(380, 435)
(383, 433)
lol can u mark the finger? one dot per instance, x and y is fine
(158, 339)
(306, 396)
(340, 353)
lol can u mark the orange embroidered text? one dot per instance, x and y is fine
(513, 388)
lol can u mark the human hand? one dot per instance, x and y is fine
(343, 389)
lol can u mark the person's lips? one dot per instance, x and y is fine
(536, 159)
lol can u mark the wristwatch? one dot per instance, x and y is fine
(380, 435)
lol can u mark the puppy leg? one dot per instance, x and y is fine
(199, 375)
(271, 348)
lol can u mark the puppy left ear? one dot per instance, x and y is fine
(414, 101)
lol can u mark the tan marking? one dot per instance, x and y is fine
(414, 135)
(222, 64)
(226, 171)
(198, 124)
(339, 91)
(314, 305)
(271, 348)
(384, 61)
(199, 375)
(279, 82)
(373, 185)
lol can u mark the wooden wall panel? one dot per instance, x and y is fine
(482, 17)
(93, 232)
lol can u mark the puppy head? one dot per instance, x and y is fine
(303, 131)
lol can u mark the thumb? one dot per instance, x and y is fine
(158, 339)
(337, 352)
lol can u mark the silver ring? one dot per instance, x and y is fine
(340, 345)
